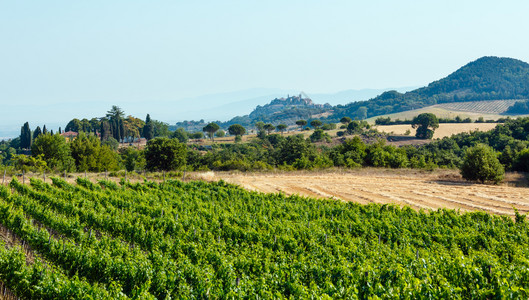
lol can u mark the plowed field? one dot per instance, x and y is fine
(420, 190)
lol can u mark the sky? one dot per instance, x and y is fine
(146, 54)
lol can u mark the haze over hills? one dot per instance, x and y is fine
(487, 78)
(219, 106)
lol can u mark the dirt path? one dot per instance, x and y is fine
(420, 190)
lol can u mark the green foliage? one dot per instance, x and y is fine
(383, 121)
(519, 108)
(361, 113)
(25, 136)
(215, 240)
(211, 128)
(181, 135)
(345, 120)
(236, 130)
(301, 123)
(165, 154)
(161, 129)
(316, 123)
(481, 164)
(112, 143)
(329, 126)
(281, 127)
(197, 135)
(28, 163)
(356, 127)
(148, 128)
(521, 162)
(293, 148)
(89, 155)
(488, 78)
(54, 151)
(319, 135)
(220, 133)
(425, 124)
(269, 128)
(37, 132)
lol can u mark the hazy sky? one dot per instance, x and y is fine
(68, 51)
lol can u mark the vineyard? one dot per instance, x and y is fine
(486, 107)
(216, 240)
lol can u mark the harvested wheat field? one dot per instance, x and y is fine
(418, 189)
(444, 130)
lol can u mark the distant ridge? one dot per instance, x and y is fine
(487, 78)
(301, 102)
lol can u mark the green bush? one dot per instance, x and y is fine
(481, 164)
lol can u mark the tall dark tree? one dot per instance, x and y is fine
(121, 130)
(25, 136)
(114, 128)
(37, 132)
(148, 129)
(60, 130)
(115, 113)
(104, 130)
(44, 130)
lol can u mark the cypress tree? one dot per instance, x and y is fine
(36, 133)
(44, 130)
(105, 130)
(148, 129)
(60, 130)
(121, 130)
(25, 136)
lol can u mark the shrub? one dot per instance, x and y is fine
(481, 164)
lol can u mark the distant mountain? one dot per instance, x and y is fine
(224, 106)
(348, 96)
(280, 110)
(488, 78)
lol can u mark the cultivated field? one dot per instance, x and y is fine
(489, 110)
(418, 189)
(444, 130)
(486, 107)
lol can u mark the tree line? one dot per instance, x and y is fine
(361, 146)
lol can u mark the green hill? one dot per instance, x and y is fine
(488, 78)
